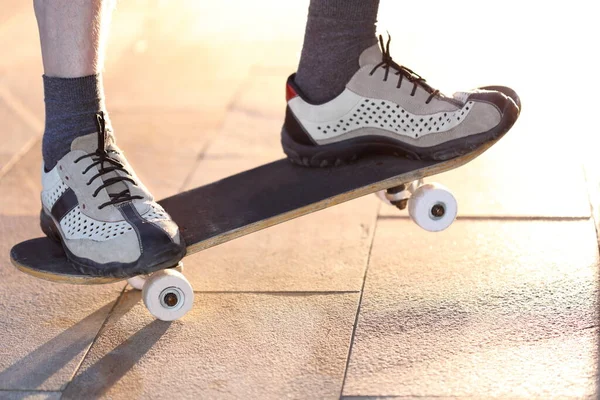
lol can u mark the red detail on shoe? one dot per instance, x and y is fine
(290, 93)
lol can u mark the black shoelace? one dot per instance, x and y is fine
(107, 164)
(402, 72)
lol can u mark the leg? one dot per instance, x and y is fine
(76, 48)
(349, 98)
(92, 201)
(337, 32)
(72, 35)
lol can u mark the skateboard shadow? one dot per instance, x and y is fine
(99, 377)
(37, 367)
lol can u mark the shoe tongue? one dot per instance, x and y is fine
(89, 144)
(370, 56)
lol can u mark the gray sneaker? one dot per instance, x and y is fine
(107, 221)
(387, 108)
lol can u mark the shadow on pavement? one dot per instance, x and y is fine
(34, 369)
(98, 378)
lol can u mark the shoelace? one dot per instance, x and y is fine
(387, 62)
(99, 158)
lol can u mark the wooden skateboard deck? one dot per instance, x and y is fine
(248, 202)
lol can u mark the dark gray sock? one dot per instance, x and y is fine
(71, 107)
(337, 32)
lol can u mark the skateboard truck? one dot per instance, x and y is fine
(399, 195)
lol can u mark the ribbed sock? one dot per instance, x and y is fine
(71, 107)
(337, 32)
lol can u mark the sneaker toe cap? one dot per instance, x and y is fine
(508, 92)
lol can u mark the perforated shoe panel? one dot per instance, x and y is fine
(373, 113)
(76, 225)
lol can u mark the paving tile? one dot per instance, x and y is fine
(10, 8)
(4, 160)
(24, 81)
(207, 73)
(198, 85)
(164, 147)
(16, 134)
(6, 395)
(20, 188)
(247, 135)
(281, 55)
(264, 93)
(484, 309)
(244, 140)
(215, 166)
(18, 19)
(210, 48)
(21, 66)
(229, 346)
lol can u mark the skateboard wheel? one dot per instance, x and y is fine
(168, 295)
(432, 207)
(137, 282)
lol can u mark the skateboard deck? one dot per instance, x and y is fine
(248, 202)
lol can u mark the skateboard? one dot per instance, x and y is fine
(257, 199)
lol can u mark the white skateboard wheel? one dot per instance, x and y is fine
(432, 207)
(137, 282)
(168, 295)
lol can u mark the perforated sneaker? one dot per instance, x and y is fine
(107, 221)
(387, 108)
